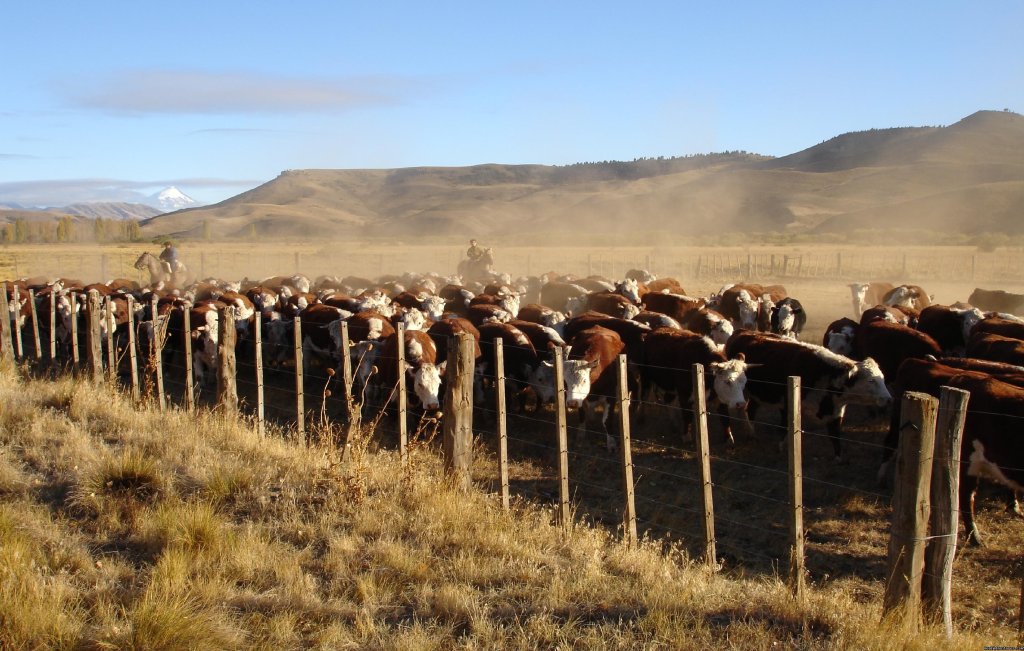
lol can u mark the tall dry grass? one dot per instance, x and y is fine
(125, 528)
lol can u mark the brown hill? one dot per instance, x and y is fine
(965, 177)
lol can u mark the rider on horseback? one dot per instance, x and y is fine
(169, 256)
(474, 252)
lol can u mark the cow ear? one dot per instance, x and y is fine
(442, 366)
(741, 357)
(548, 364)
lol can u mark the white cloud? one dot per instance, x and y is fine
(203, 92)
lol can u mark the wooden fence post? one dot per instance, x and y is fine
(403, 426)
(839, 264)
(502, 425)
(157, 351)
(796, 486)
(19, 345)
(910, 507)
(132, 361)
(75, 352)
(945, 495)
(35, 325)
(227, 390)
(300, 385)
(6, 343)
(563, 440)
(707, 508)
(186, 328)
(457, 444)
(108, 317)
(258, 363)
(92, 312)
(53, 329)
(629, 513)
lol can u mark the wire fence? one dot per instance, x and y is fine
(750, 479)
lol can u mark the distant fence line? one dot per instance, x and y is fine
(710, 264)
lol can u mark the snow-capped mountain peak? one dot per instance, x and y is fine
(171, 199)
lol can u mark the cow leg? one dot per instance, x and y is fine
(968, 489)
(832, 414)
(1014, 505)
(612, 428)
(723, 418)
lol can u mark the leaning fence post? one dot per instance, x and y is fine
(563, 440)
(457, 443)
(502, 424)
(132, 361)
(186, 328)
(92, 313)
(6, 344)
(35, 325)
(629, 514)
(300, 386)
(258, 362)
(157, 351)
(910, 507)
(796, 486)
(707, 507)
(403, 426)
(945, 496)
(227, 391)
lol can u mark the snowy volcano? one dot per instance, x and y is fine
(171, 199)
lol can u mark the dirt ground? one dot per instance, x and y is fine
(847, 512)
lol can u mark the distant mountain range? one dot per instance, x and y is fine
(167, 200)
(967, 177)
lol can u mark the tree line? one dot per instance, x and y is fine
(70, 229)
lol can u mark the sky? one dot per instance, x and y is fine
(115, 100)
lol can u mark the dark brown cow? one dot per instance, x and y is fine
(444, 330)
(949, 326)
(996, 348)
(676, 306)
(663, 285)
(710, 323)
(668, 359)
(829, 382)
(889, 344)
(840, 336)
(632, 333)
(741, 303)
(543, 315)
(522, 363)
(321, 336)
(997, 300)
(612, 304)
(485, 313)
(1000, 326)
(590, 376)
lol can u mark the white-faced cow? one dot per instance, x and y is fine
(590, 377)
(866, 295)
(669, 356)
(829, 382)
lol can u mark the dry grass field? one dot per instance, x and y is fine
(126, 528)
(386, 600)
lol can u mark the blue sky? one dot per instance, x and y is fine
(106, 99)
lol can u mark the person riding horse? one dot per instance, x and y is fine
(474, 252)
(169, 256)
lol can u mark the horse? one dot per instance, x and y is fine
(478, 269)
(158, 276)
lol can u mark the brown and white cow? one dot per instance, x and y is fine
(668, 359)
(676, 306)
(840, 336)
(911, 297)
(422, 367)
(866, 295)
(523, 365)
(829, 382)
(709, 323)
(998, 325)
(590, 377)
(889, 344)
(543, 315)
(612, 304)
(949, 326)
(564, 297)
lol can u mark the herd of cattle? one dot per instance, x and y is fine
(747, 336)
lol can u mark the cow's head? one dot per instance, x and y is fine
(628, 310)
(630, 288)
(433, 306)
(720, 329)
(426, 382)
(785, 317)
(748, 308)
(730, 380)
(279, 334)
(576, 373)
(510, 303)
(413, 319)
(363, 356)
(576, 305)
(301, 283)
(865, 385)
(859, 293)
(840, 341)
(542, 380)
(968, 319)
